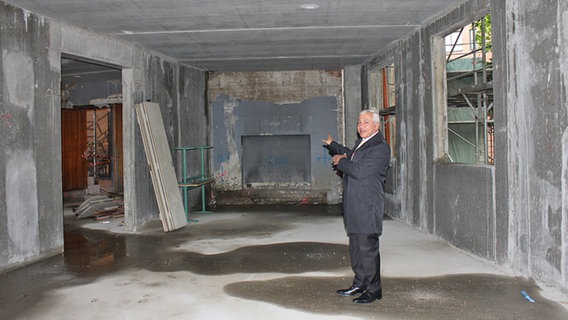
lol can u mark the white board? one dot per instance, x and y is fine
(161, 167)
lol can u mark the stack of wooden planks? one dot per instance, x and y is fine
(110, 213)
(161, 167)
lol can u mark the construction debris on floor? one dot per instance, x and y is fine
(100, 207)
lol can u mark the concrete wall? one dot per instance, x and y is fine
(192, 126)
(462, 216)
(274, 103)
(353, 104)
(515, 212)
(535, 65)
(31, 219)
(31, 209)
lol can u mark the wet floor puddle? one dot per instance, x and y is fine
(91, 254)
(468, 296)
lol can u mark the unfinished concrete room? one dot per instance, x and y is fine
(174, 159)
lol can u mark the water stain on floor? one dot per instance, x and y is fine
(467, 296)
(91, 255)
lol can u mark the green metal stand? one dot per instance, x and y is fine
(193, 182)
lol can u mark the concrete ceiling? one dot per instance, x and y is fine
(250, 35)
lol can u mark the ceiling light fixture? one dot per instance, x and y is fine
(310, 6)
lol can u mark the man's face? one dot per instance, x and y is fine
(365, 126)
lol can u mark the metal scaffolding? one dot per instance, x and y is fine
(470, 96)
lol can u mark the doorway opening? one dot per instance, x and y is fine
(91, 132)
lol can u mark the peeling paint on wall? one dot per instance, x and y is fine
(548, 235)
(252, 104)
(538, 121)
(19, 186)
(19, 80)
(229, 174)
(22, 205)
(522, 66)
(564, 203)
(284, 87)
(562, 23)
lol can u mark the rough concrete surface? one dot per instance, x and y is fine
(277, 262)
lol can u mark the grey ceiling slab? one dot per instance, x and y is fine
(257, 34)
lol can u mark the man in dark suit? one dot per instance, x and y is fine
(364, 169)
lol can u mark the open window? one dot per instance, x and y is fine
(469, 94)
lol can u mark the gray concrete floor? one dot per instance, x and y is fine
(267, 262)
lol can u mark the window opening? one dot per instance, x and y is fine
(383, 99)
(469, 76)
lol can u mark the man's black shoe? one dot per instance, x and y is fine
(368, 297)
(353, 291)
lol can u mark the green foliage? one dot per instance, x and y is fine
(478, 25)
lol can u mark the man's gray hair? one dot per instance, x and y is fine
(376, 116)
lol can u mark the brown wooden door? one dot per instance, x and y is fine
(73, 144)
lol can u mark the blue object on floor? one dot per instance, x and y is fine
(524, 294)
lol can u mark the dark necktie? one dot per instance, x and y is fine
(354, 151)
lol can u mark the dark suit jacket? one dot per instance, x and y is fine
(363, 184)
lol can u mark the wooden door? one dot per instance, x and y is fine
(73, 144)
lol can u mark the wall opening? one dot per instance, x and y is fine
(276, 160)
(468, 84)
(91, 136)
